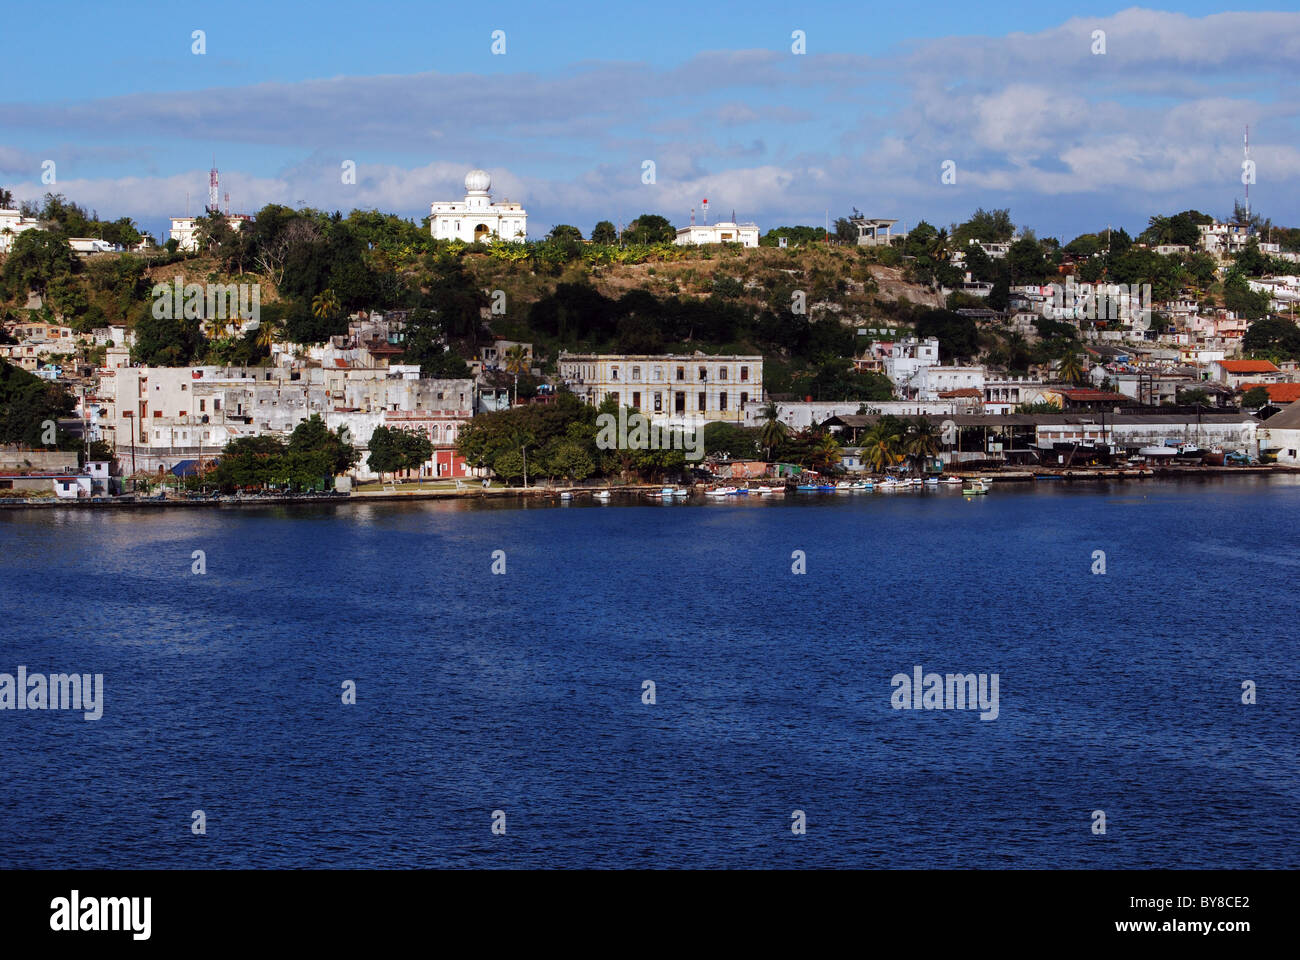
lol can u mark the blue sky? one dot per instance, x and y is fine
(1011, 94)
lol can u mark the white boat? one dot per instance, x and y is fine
(931, 481)
(862, 485)
(601, 494)
(769, 491)
(1160, 451)
(954, 481)
(566, 495)
(721, 492)
(976, 487)
(844, 485)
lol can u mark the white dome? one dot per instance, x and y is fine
(478, 181)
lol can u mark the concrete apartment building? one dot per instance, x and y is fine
(667, 388)
(159, 416)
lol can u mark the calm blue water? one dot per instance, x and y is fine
(522, 692)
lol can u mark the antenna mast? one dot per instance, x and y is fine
(1245, 146)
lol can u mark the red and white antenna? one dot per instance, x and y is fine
(705, 206)
(214, 189)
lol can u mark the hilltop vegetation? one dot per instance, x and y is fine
(799, 306)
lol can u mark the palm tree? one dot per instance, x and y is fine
(6, 199)
(517, 361)
(773, 431)
(921, 441)
(268, 331)
(826, 452)
(324, 304)
(881, 448)
(1071, 368)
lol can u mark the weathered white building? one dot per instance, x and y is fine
(667, 387)
(159, 416)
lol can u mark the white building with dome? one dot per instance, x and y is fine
(476, 217)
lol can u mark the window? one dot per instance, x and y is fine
(203, 405)
(744, 374)
(614, 395)
(613, 373)
(722, 400)
(157, 414)
(636, 399)
(704, 373)
(704, 398)
(216, 404)
(659, 373)
(182, 413)
(659, 402)
(636, 373)
(722, 373)
(744, 398)
(681, 373)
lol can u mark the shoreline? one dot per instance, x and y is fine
(1043, 474)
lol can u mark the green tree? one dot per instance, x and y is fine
(773, 432)
(1255, 398)
(313, 436)
(920, 441)
(882, 446)
(36, 259)
(393, 450)
(604, 232)
(649, 228)
(1071, 368)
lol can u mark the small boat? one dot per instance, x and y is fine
(721, 492)
(1161, 451)
(769, 491)
(952, 481)
(826, 487)
(862, 485)
(740, 492)
(807, 487)
(844, 485)
(566, 495)
(601, 495)
(931, 481)
(975, 488)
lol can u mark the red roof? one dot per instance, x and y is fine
(1247, 366)
(1277, 392)
(960, 392)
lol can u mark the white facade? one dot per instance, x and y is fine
(667, 388)
(745, 234)
(12, 223)
(908, 356)
(477, 218)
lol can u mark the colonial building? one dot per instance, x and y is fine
(477, 218)
(667, 388)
